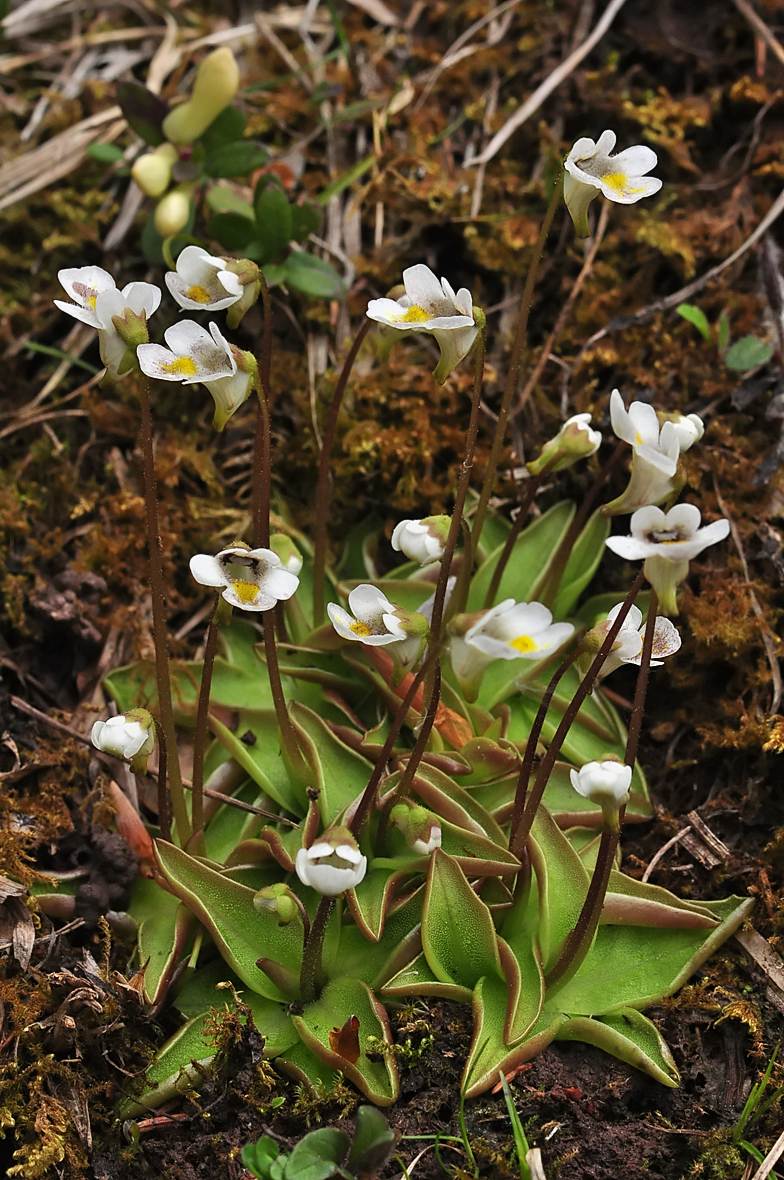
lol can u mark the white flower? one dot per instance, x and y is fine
(605, 783)
(431, 306)
(97, 301)
(201, 282)
(509, 631)
(130, 735)
(425, 847)
(575, 440)
(667, 541)
(422, 540)
(253, 579)
(655, 453)
(193, 355)
(689, 428)
(333, 864)
(627, 648)
(377, 622)
(590, 169)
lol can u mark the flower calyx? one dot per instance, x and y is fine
(332, 864)
(130, 736)
(575, 440)
(278, 899)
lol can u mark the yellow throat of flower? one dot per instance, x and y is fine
(619, 183)
(245, 591)
(361, 630)
(183, 366)
(523, 643)
(198, 294)
(412, 315)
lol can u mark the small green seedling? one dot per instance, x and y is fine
(326, 1152)
(746, 353)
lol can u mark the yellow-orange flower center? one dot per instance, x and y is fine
(361, 630)
(183, 366)
(412, 315)
(199, 294)
(523, 643)
(245, 591)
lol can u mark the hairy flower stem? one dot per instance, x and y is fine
(311, 972)
(164, 802)
(288, 738)
(514, 363)
(323, 486)
(532, 487)
(459, 596)
(200, 739)
(554, 749)
(423, 737)
(638, 707)
(580, 938)
(174, 775)
(547, 595)
(262, 445)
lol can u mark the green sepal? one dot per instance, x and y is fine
(458, 935)
(629, 1036)
(341, 999)
(241, 932)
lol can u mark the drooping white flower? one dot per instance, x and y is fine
(97, 301)
(252, 579)
(333, 864)
(575, 440)
(422, 540)
(590, 170)
(377, 622)
(667, 542)
(606, 783)
(130, 735)
(655, 452)
(627, 648)
(509, 631)
(431, 306)
(689, 428)
(201, 282)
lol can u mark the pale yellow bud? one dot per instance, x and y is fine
(216, 84)
(173, 211)
(152, 172)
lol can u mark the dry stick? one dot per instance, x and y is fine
(202, 716)
(565, 311)
(560, 561)
(262, 446)
(179, 809)
(514, 365)
(322, 492)
(585, 687)
(759, 26)
(311, 955)
(581, 936)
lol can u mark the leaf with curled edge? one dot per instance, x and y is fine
(341, 774)
(629, 1036)
(243, 934)
(458, 935)
(341, 999)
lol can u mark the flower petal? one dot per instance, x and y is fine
(368, 603)
(206, 569)
(424, 290)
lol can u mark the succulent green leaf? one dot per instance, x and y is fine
(235, 159)
(481, 1071)
(631, 966)
(629, 1036)
(259, 1157)
(201, 992)
(251, 758)
(178, 1066)
(242, 933)
(341, 999)
(370, 900)
(417, 979)
(458, 935)
(165, 930)
(225, 128)
(222, 199)
(582, 564)
(233, 229)
(528, 563)
(562, 882)
(525, 979)
(341, 774)
(274, 222)
(302, 1065)
(372, 1144)
(747, 353)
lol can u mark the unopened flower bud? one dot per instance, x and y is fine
(419, 826)
(287, 551)
(575, 440)
(153, 171)
(332, 864)
(606, 783)
(422, 540)
(173, 211)
(248, 274)
(130, 735)
(217, 81)
(277, 899)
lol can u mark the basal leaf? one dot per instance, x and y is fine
(629, 1036)
(313, 276)
(582, 564)
(341, 773)
(165, 930)
(235, 159)
(533, 550)
(458, 935)
(273, 220)
(233, 229)
(562, 883)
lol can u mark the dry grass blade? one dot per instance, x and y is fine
(759, 26)
(771, 1159)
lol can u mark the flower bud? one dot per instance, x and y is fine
(287, 551)
(153, 171)
(575, 440)
(606, 783)
(173, 211)
(333, 864)
(422, 540)
(419, 826)
(217, 81)
(277, 899)
(248, 274)
(130, 736)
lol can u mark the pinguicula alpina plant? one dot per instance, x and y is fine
(390, 791)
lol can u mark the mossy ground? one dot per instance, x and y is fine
(690, 80)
